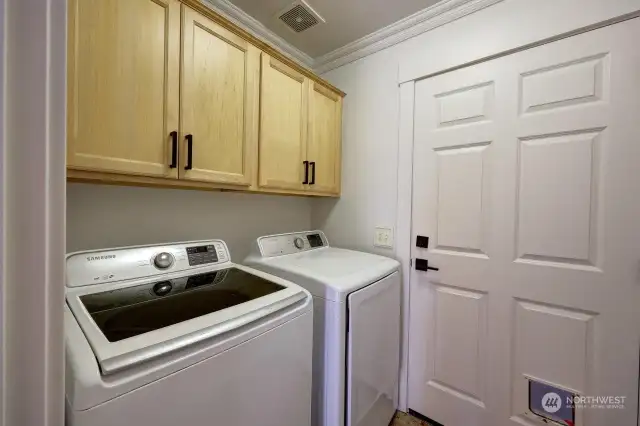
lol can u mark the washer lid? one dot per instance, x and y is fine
(328, 272)
(132, 322)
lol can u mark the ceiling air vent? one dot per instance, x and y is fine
(299, 16)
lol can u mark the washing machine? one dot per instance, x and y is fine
(356, 343)
(177, 334)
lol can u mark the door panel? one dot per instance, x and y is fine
(123, 82)
(219, 101)
(554, 170)
(325, 129)
(526, 182)
(461, 189)
(283, 126)
(460, 337)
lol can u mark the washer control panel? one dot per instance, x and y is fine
(199, 255)
(103, 266)
(278, 245)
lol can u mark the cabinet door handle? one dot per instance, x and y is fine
(313, 173)
(174, 150)
(189, 164)
(306, 172)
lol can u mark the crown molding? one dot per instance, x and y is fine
(239, 17)
(427, 19)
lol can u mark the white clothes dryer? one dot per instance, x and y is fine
(357, 300)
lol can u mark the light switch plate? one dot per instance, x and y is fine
(383, 237)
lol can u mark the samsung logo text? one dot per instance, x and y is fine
(105, 257)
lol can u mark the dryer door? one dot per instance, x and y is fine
(373, 353)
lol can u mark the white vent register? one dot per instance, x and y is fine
(299, 16)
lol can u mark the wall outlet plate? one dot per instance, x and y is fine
(383, 237)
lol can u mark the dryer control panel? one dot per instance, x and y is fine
(103, 266)
(279, 245)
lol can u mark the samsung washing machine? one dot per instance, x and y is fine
(176, 334)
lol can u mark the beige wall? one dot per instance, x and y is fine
(369, 154)
(111, 216)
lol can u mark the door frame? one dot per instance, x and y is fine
(522, 34)
(32, 210)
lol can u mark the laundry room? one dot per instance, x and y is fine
(320, 213)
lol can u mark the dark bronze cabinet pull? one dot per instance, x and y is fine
(313, 173)
(189, 164)
(306, 172)
(174, 150)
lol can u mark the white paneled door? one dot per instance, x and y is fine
(527, 183)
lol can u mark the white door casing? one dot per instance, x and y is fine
(526, 180)
(33, 211)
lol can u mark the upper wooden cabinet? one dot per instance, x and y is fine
(324, 145)
(219, 102)
(283, 126)
(167, 93)
(123, 67)
(300, 132)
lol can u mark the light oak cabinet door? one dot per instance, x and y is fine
(123, 65)
(283, 126)
(324, 144)
(219, 102)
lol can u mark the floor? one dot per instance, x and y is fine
(403, 419)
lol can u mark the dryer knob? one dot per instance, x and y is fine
(163, 260)
(299, 243)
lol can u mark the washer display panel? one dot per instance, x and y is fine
(131, 311)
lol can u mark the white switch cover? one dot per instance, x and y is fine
(383, 237)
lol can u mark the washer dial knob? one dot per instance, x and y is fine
(163, 260)
(162, 288)
(299, 243)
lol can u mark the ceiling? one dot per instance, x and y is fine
(347, 20)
